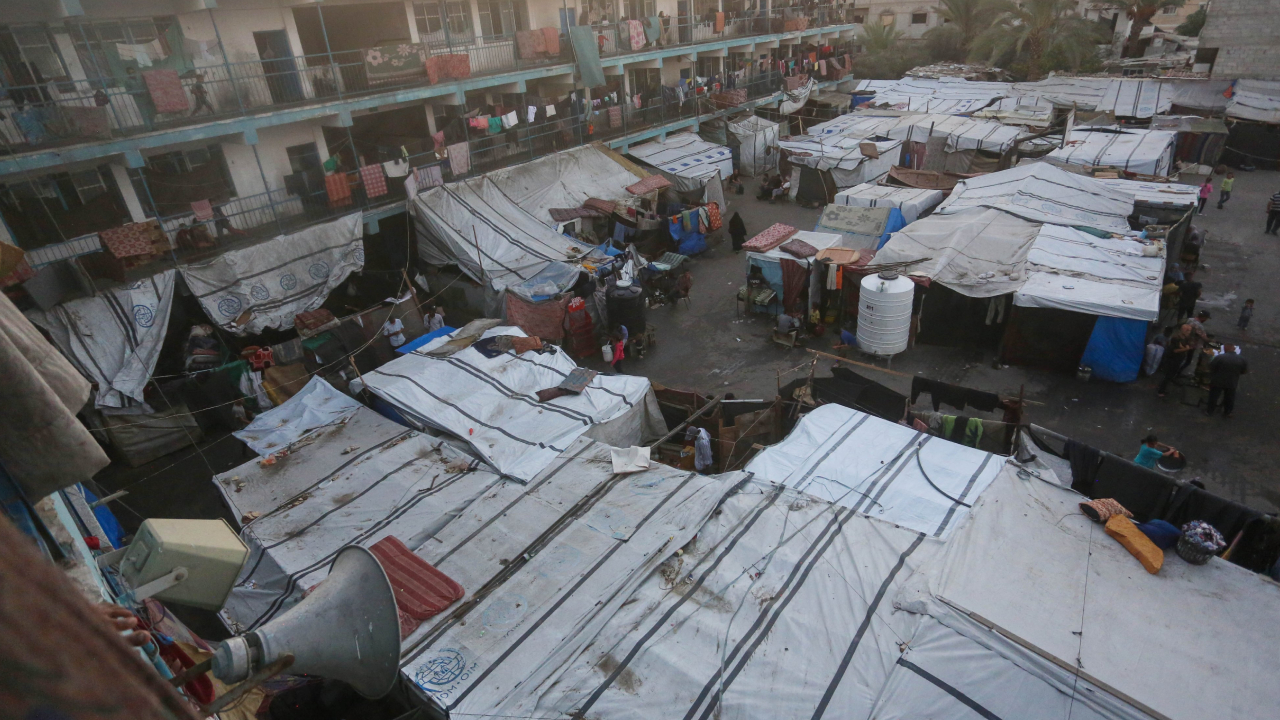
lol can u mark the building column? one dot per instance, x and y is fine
(121, 175)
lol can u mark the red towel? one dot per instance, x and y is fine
(375, 183)
(719, 22)
(166, 91)
(338, 189)
(420, 589)
(552, 38)
(713, 213)
(202, 209)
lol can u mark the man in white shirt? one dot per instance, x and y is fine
(701, 448)
(393, 329)
(435, 320)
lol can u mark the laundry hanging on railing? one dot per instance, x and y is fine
(394, 61)
(375, 183)
(167, 93)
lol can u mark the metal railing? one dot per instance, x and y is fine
(103, 106)
(279, 211)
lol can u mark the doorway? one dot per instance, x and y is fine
(278, 66)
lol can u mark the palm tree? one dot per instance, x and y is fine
(1140, 13)
(879, 38)
(963, 21)
(1028, 33)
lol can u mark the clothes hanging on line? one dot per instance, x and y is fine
(953, 395)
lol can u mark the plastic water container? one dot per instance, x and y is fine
(884, 313)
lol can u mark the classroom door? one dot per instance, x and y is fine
(278, 66)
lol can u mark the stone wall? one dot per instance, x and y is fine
(1245, 33)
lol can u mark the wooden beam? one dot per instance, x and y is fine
(861, 365)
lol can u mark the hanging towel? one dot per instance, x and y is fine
(166, 91)
(638, 101)
(510, 120)
(636, 29)
(587, 52)
(719, 22)
(375, 183)
(428, 177)
(459, 159)
(615, 117)
(338, 189)
(203, 210)
(551, 111)
(551, 40)
(532, 113)
(396, 168)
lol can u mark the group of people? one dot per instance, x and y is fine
(773, 187)
(1179, 348)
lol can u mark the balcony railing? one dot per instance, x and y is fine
(101, 107)
(254, 217)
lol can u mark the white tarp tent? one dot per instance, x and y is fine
(687, 160)
(265, 285)
(1142, 151)
(114, 338)
(889, 471)
(1153, 193)
(1040, 574)
(913, 202)
(1123, 97)
(939, 95)
(961, 133)
(1041, 192)
(1030, 110)
(299, 513)
(491, 402)
(315, 407)
(1073, 270)
(842, 157)
(757, 144)
(979, 252)
(1255, 100)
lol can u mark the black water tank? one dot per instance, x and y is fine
(626, 307)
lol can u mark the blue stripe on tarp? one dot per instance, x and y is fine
(424, 339)
(1116, 348)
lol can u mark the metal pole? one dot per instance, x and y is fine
(226, 63)
(154, 208)
(333, 67)
(101, 78)
(715, 401)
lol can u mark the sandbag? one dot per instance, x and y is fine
(1138, 544)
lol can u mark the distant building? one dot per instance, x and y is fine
(1238, 40)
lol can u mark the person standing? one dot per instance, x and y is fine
(201, 94)
(1224, 193)
(1198, 338)
(1206, 189)
(702, 460)
(737, 231)
(1225, 370)
(393, 331)
(619, 352)
(435, 320)
(1188, 293)
(1273, 214)
(1176, 349)
(1246, 314)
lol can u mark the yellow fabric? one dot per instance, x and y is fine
(1136, 542)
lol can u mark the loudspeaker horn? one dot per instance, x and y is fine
(347, 629)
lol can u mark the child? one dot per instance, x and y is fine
(619, 350)
(1246, 314)
(1206, 190)
(1227, 184)
(201, 94)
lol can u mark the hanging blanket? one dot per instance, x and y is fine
(649, 184)
(551, 40)
(525, 43)
(587, 53)
(166, 91)
(772, 237)
(459, 159)
(615, 116)
(653, 28)
(375, 183)
(793, 276)
(87, 122)
(393, 62)
(541, 319)
(719, 22)
(265, 285)
(428, 177)
(132, 239)
(636, 29)
(202, 209)
(338, 188)
(713, 213)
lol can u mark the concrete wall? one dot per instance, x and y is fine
(1244, 32)
(902, 12)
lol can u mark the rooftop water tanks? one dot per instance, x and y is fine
(884, 313)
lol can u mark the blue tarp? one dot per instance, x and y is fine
(772, 272)
(1115, 349)
(421, 340)
(107, 519)
(687, 243)
(892, 224)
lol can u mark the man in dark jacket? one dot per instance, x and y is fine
(1225, 370)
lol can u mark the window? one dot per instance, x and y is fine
(859, 17)
(431, 18)
(636, 9)
(919, 18)
(645, 81)
(708, 66)
(1169, 10)
(499, 18)
(36, 48)
(88, 184)
(303, 157)
(90, 39)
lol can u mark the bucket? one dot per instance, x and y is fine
(1083, 373)
(606, 351)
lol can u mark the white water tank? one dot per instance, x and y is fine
(884, 313)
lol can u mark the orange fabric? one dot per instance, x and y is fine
(1136, 542)
(338, 189)
(719, 22)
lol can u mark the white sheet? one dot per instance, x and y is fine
(316, 406)
(862, 462)
(1041, 192)
(490, 403)
(562, 180)
(114, 338)
(913, 202)
(1142, 151)
(843, 158)
(757, 144)
(275, 280)
(1255, 100)
(686, 160)
(961, 133)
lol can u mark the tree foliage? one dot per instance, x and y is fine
(963, 22)
(1140, 13)
(1194, 23)
(1037, 36)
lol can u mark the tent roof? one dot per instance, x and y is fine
(491, 403)
(1030, 565)
(1189, 123)
(1073, 270)
(820, 241)
(962, 133)
(316, 406)
(845, 456)
(564, 180)
(686, 156)
(841, 153)
(1041, 192)
(1255, 100)
(912, 201)
(1123, 97)
(859, 220)
(1143, 151)
(1151, 193)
